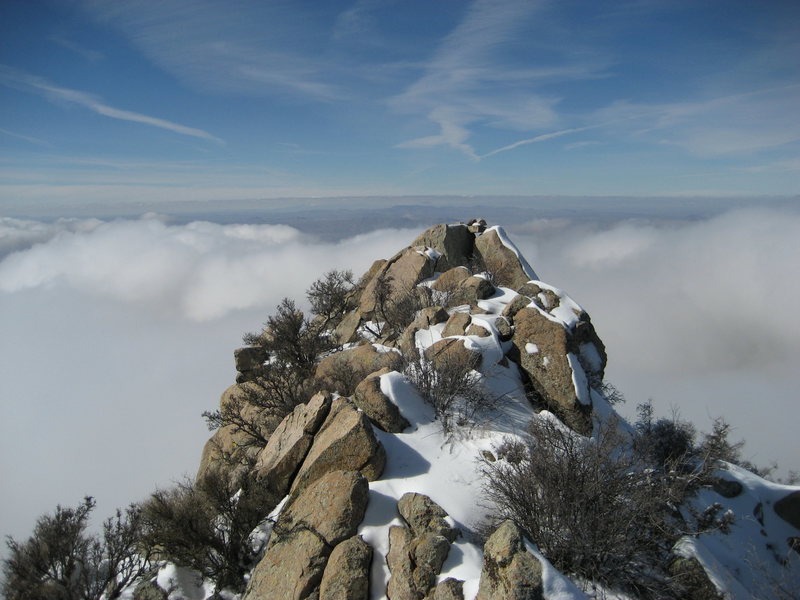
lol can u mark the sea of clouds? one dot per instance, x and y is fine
(118, 334)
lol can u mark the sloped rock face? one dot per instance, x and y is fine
(380, 410)
(509, 572)
(344, 442)
(500, 260)
(310, 526)
(290, 442)
(547, 364)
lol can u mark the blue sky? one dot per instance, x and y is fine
(108, 101)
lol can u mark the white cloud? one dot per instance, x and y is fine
(699, 314)
(117, 335)
(38, 85)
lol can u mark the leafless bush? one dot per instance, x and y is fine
(206, 526)
(331, 297)
(594, 509)
(395, 307)
(61, 562)
(272, 395)
(452, 386)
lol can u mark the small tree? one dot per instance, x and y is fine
(206, 526)
(61, 562)
(330, 297)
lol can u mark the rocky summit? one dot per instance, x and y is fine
(382, 467)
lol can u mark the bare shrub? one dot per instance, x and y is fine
(452, 386)
(396, 308)
(206, 526)
(594, 509)
(331, 296)
(61, 562)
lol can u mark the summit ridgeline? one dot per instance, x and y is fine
(440, 429)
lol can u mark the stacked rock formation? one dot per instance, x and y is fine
(478, 302)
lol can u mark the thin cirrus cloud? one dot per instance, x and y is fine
(466, 83)
(38, 85)
(257, 48)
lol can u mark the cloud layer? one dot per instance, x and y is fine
(118, 334)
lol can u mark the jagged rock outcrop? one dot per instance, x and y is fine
(311, 525)
(549, 367)
(509, 572)
(455, 244)
(345, 441)
(417, 552)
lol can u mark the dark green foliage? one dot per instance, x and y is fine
(61, 562)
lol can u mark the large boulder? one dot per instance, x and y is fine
(346, 575)
(509, 571)
(423, 515)
(402, 272)
(542, 346)
(449, 589)
(454, 242)
(475, 288)
(343, 371)
(290, 442)
(694, 579)
(381, 411)
(345, 442)
(456, 324)
(450, 280)
(500, 260)
(312, 523)
(452, 352)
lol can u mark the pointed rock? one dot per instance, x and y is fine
(455, 243)
(502, 261)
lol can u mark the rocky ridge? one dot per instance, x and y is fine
(372, 499)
